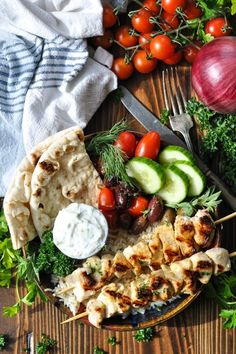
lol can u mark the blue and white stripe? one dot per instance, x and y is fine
(30, 65)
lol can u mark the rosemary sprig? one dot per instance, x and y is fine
(209, 200)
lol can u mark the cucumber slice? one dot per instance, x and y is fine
(176, 187)
(197, 180)
(173, 153)
(148, 174)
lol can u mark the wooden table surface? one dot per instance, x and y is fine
(197, 330)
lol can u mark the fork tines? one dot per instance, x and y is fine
(171, 83)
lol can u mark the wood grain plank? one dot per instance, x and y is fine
(197, 330)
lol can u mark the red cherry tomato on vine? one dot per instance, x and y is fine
(126, 141)
(144, 40)
(170, 6)
(192, 10)
(170, 21)
(140, 21)
(190, 52)
(152, 6)
(121, 69)
(112, 218)
(161, 47)
(123, 36)
(106, 200)
(104, 41)
(175, 59)
(149, 145)
(138, 206)
(218, 27)
(143, 62)
(109, 18)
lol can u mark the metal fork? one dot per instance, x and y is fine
(179, 120)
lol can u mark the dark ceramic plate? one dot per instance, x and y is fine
(151, 316)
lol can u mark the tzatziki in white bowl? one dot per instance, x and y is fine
(80, 230)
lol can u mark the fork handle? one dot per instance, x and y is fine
(188, 141)
(226, 194)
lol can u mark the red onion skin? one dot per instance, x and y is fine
(214, 74)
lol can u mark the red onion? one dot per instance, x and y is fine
(214, 74)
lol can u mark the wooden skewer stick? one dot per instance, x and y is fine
(76, 317)
(233, 254)
(225, 218)
(64, 290)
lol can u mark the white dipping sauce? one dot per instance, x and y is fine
(80, 230)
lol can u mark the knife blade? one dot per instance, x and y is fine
(151, 122)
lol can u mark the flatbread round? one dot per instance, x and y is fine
(16, 201)
(63, 174)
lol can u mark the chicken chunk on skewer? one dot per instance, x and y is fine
(220, 259)
(150, 283)
(203, 266)
(183, 270)
(120, 265)
(138, 256)
(184, 235)
(204, 228)
(170, 248)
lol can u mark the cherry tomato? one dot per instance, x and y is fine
(190, 52)
(192, 10)
(170, 21)
(144, 41)
(106, 199)
(121, 69)
(149, 145)
(161, 47)
(112, 218)
(126, 141)
(140, 21)
(138, 205)
(143, 62)
(104, 41)
(109, 18)
(123, 37)
(170, 6)
(174, 59)
(152, 6)
(218, 27)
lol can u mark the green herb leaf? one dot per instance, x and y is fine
(98, 350)
(51, 259)
(112, 341)
(3, 342)
(3, 225)
(164, 116)
(10, 311)
(45, 344)
(144, 335)
(208, 200)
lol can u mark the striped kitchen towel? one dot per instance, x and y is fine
(47, 81)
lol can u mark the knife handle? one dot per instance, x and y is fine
(226, 194)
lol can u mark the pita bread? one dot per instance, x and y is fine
(16, 201)
(63, 174)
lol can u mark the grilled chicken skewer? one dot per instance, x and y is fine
(163, 245)
(179, 277)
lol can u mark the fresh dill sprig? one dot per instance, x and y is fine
(209, 200)
(113, 164)
(98, 142)
(111, 156)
